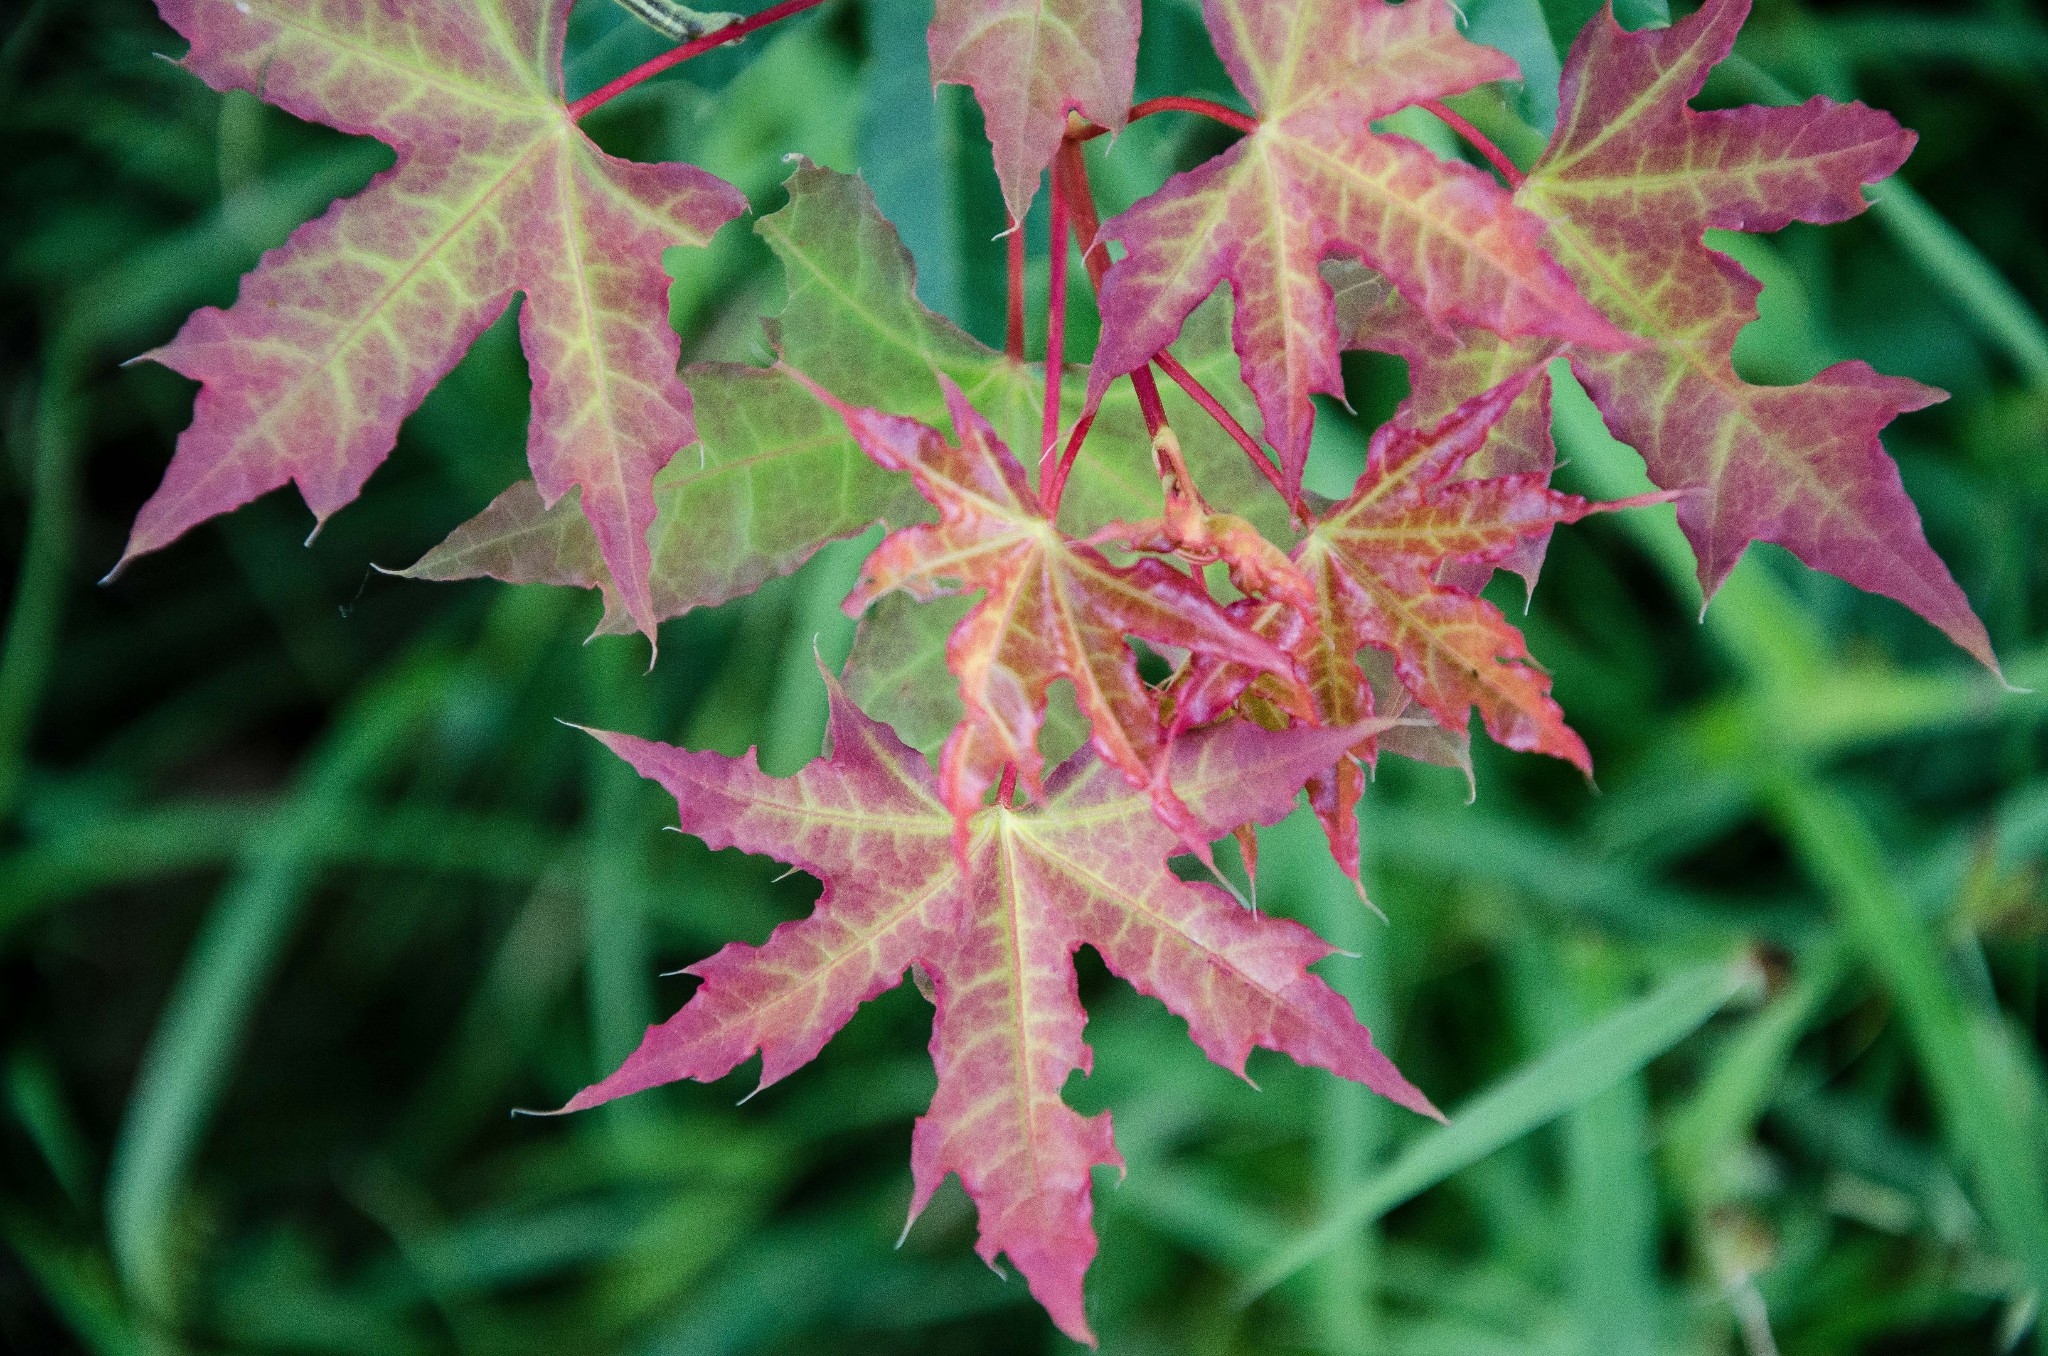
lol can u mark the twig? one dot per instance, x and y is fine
(647, 70)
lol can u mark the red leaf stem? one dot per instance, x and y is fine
(1074, 198)
(1208, 108)
(1077, 202)
(1148, 400)
(1081, 214)
(1480, 142)
(1006, 789)
(1051, 486)
(1171, 103)
(1055, 322)
(1079, 199)
(1080, 205)
(1199, 393)
(646, 70)
(1013, 329)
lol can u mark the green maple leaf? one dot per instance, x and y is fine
(775, 475)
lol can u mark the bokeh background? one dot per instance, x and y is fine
(302, 887)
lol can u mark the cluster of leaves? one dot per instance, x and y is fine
(1326, 635)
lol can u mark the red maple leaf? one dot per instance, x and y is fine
(1628, 186)
(1375, 558)
(1052, 607)
(1381, 563)
(340, 333)
(1446, 364)
(1314, 178)
(995, 927)
(1030, 62)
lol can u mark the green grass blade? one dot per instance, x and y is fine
(29, 647)
(76, 1281)
(1610, 1193)
(186, 1065)
(1705, 1137)
(618, 898)
(167, 840)
(1566, 1077)
(2008, 44)
(1970, 280)
(1982, 1086)
(36, 1097)
(1349, 1130)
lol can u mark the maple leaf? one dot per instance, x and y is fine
(1375, 560)
(1314, 178)
(1629, 184)
(340, 333)
(995, 927)
(1446, 364)
(775, 475)
(1052, 607)
(1380, 563)
(1030, 62)
(896, 669)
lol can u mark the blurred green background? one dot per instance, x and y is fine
(302, 887)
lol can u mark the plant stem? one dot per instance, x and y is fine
(1081, 214)
(1013, 328)
(1052, 485)
(648, 69)
(1080, 206)
(1148, 400)
(1480, 142)
(1230, 117)
(1077, 204)
(1199, 393)
(1208, 108)
(1006, 789)
(1077, 198)
(1055, 322)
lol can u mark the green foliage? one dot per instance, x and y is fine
(301, 888)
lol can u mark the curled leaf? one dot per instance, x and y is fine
(1051, 608)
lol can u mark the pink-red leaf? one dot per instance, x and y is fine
(1376, 557)
(1447, 365)
(1630, 182)
(1030, 62)
(994, 928)
(1051, 608)
(1314, 179)
(1381, 564)
(339, 334)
